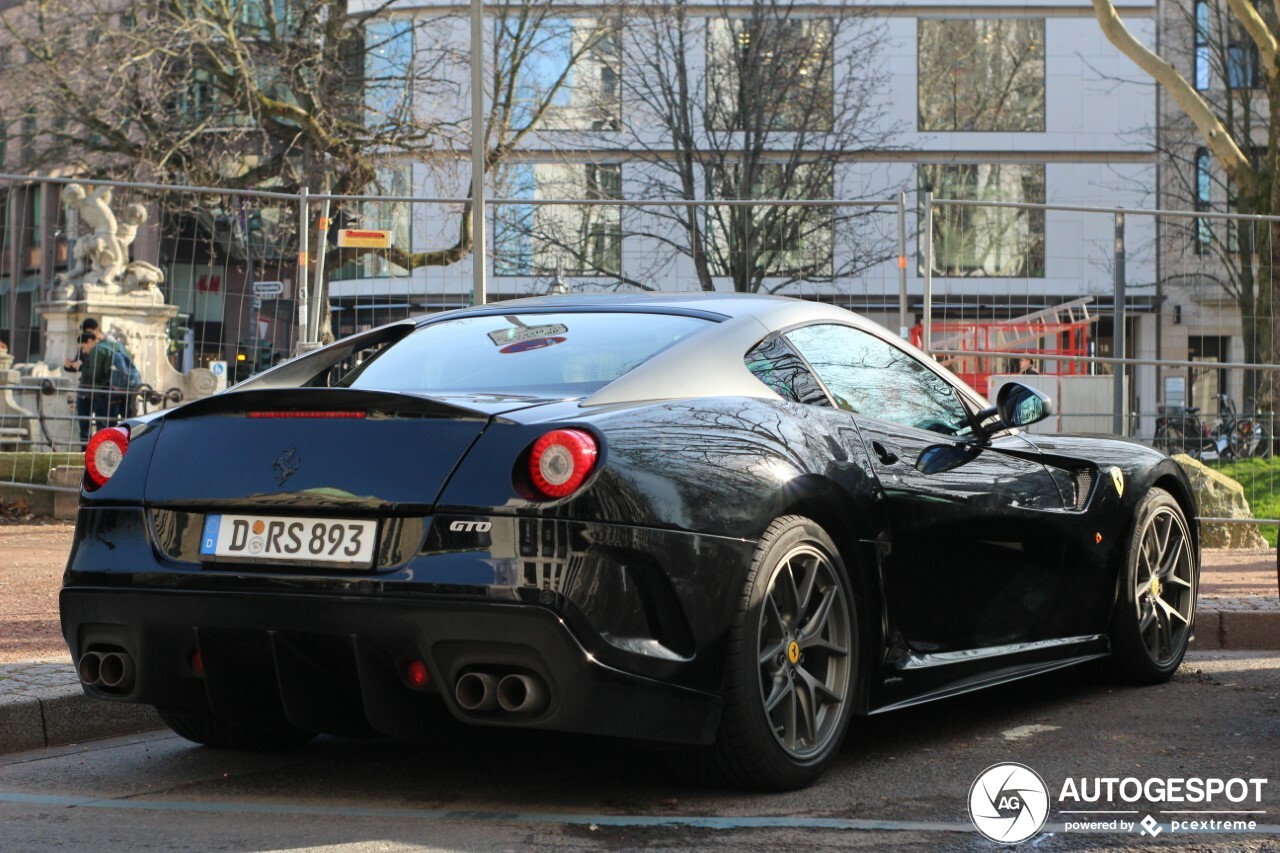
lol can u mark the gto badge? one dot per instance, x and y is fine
(470, 526)
(286, 465)
(1117, 479)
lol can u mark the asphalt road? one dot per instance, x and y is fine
(902, 780)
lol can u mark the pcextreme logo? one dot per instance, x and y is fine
(1009, 803)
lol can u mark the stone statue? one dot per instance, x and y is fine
(100, 258)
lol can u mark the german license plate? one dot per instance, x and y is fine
(263, 538)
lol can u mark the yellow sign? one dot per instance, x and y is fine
(363, 238)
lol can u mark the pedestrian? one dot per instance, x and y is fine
(1027, 367)
(96, 357)
(84, 391)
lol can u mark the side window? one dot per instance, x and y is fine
(776, 364)
(869, 376)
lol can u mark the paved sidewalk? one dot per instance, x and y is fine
(42, 704)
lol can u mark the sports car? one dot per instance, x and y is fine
(730, 523)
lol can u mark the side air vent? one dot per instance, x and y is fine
(1083, 486)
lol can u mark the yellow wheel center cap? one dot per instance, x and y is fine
(793, 652)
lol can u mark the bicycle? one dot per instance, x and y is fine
(1232, 437)
(1251, 438)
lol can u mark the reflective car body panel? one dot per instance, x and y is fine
(1002, 563)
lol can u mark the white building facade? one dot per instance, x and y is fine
(1006, 102)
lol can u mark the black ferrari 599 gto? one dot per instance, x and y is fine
(731, 523)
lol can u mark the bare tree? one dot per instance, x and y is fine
(270, 94)
(1240, 129)
(763, 100)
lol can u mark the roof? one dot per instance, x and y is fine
(708, 364)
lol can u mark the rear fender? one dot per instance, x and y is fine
(861, 539)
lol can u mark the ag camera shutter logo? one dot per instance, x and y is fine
(1008, 803)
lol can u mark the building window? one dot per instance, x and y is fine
(987, 241)
(197, 99)
(35, 215)
(388, 72)
(776, 240)
(1204, 196)
(266, 18)
(581, 240)
(981, 75)
(1202, 45)
(565, 78)
(1240, 235)
(788, 62)
(1244, 64)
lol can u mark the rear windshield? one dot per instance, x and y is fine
(568, 354)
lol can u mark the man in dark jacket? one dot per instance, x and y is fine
(84, 391)
(96, 357)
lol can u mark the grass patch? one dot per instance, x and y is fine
(1261, 481)
(26, 467)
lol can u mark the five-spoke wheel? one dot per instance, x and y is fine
(1153, 620)
(805, 634)
(792, 667)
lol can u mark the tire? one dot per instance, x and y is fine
(204, 728)
(784, 718)
(1154, 613)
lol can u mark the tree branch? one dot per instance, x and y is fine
(1215, 134)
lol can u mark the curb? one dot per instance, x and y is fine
(1237, 630)
(56, 716)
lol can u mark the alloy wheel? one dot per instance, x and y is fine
(804, 652)
(1164, 590)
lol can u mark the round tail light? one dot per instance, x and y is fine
(561, 460)
(104, 453)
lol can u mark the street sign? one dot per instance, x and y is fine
(268, 289)
(363, 238)
(218, 368)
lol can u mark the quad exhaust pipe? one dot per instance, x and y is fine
(513, 693)
(112, 671)
(522, 694)
(477, 691)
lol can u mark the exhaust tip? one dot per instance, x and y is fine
(90, 668)
(522, 694)
(115, 671)
(477, 691)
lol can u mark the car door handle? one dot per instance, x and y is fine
(886, 455)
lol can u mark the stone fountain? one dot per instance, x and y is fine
(122, 294)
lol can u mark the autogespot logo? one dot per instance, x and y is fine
(1008, 803)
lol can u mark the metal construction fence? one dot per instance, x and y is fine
(1154, 324)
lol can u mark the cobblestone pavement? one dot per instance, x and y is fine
(34, 675)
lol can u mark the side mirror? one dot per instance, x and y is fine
(1019, 405)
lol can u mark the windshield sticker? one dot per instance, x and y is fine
(525, 346)
(514, 335)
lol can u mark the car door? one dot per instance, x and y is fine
(977, 546)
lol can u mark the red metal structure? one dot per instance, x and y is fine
(975, 350)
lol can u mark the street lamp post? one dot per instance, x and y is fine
(479, 259)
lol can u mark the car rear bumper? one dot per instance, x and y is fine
(337, 664)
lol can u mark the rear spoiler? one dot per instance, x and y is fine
(312, 370)
(384, 403)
